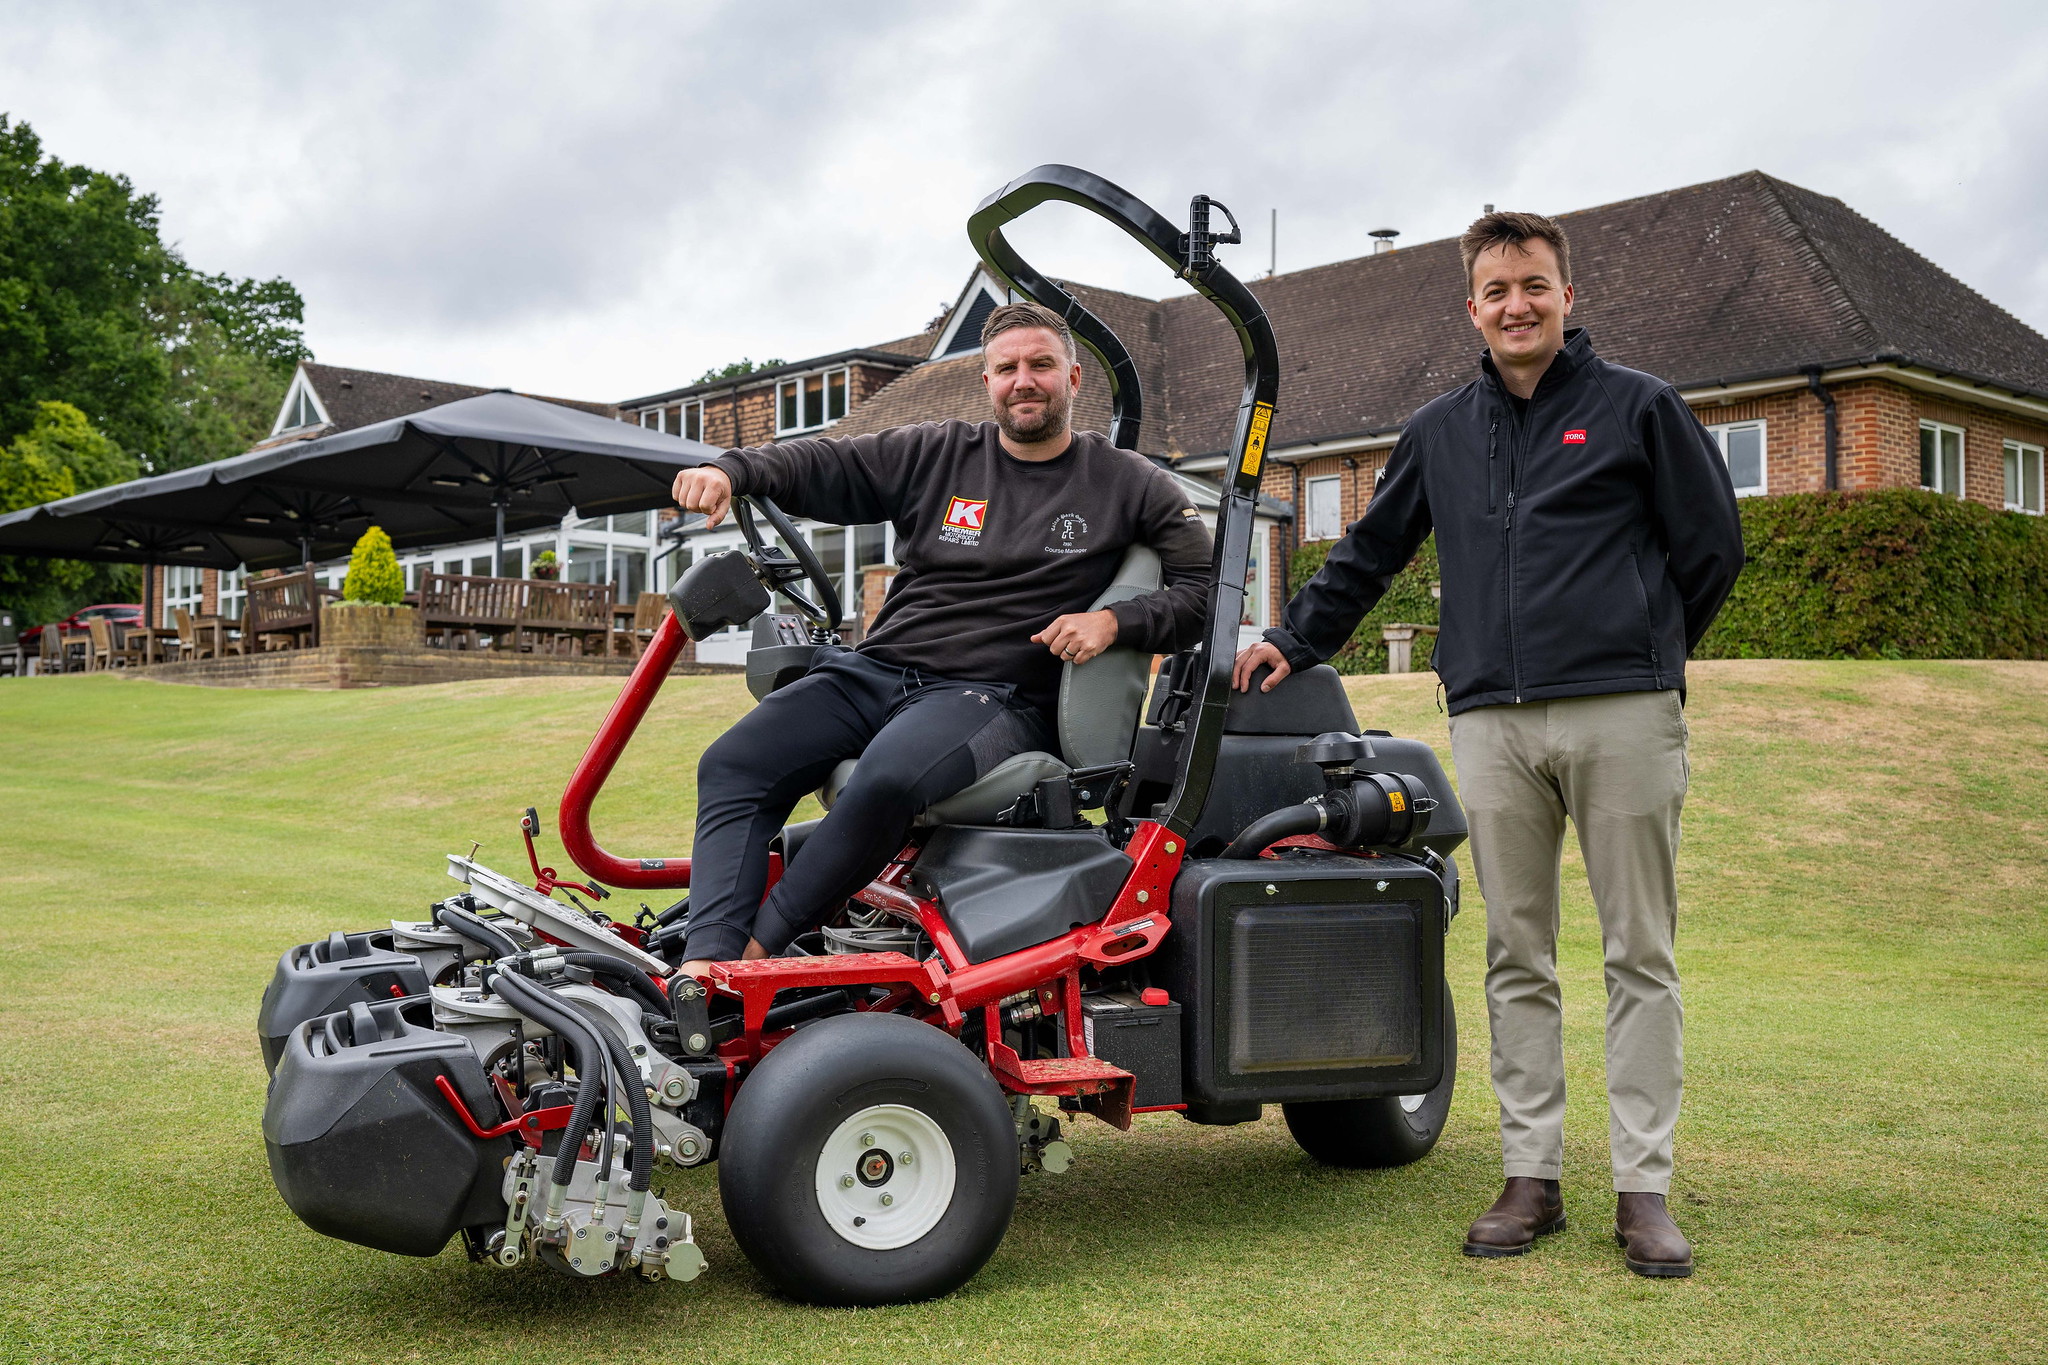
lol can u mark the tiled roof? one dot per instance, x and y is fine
(356, 398)
(1743, 278)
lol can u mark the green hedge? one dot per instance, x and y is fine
(1893, 574)
(1408, 599)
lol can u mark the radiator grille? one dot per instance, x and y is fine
(1325, 986)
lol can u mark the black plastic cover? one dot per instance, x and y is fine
(1327, 987)
(717, 591)
(1309, 702)
(362, 1145)
(1142, 1039)
(1005, 889)
(319, 978)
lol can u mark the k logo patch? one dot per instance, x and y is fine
(967, 513)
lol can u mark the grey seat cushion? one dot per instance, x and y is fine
(981, 801)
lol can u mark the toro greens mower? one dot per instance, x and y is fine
(1256, 916)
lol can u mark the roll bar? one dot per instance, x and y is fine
(1190, 255)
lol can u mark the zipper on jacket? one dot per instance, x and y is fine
(1508, 537)
(1492, 470)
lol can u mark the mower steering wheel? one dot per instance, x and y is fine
(784, 572)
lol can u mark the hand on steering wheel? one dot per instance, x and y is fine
(706, 489)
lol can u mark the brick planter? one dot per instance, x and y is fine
(366, 625)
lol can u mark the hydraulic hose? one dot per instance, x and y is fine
(637, 983)
(637, 1106)
(495, 942)
(575, 1031)
(1259, 835)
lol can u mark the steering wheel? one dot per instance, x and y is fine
(781, 571)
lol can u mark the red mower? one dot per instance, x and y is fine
(1256, 917)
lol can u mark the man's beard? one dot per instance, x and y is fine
(1050, 422)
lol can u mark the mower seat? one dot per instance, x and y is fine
(1099, 707)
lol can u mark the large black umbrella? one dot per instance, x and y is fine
(494, 463)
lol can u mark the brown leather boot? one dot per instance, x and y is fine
(1652, 1244)
(1527, 1209)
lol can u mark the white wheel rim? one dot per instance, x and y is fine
(1411, 1103)
(869, 1193)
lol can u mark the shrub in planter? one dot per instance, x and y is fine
(373, 572)
(546, 566)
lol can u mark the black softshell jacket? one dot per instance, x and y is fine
(1584, 548)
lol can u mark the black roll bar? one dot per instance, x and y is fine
(1189, 256)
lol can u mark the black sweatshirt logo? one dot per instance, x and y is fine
(1069, 534)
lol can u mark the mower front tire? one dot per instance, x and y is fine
(1386, 1130)
(869, 1159)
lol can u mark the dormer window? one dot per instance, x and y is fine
(810, 402)
(301, 407)
(962, 333)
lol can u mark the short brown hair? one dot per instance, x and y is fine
(1010, 316)
(1513, 229)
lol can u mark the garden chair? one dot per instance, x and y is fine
(647, 610)
(99, 651)
(193, 642)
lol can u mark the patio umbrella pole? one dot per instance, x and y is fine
(312, 588)
(498, 558)
(148, 610)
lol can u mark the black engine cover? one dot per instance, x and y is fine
(362, 1145)
(340, 970)
(1307, 978)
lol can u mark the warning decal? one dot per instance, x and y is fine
(1255, 440)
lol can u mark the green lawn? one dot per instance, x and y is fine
(1861, 1163)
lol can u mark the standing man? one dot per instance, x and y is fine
(1587, 534)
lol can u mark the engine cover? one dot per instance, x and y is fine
(1307, 978)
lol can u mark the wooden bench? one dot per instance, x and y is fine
(285, 611)
(1400, 638)
(517, 613)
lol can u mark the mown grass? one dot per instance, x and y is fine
(1861, 1162)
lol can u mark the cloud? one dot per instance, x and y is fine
(603, 200)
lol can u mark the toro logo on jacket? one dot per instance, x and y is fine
(964, 517)
(1575, 438)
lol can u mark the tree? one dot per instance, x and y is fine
(164, 365)
(59, 455)
(739, 369)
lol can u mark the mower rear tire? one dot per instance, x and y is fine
(869, 1159)
(1385, 1130)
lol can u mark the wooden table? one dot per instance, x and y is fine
(150, 635)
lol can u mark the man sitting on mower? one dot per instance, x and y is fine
(1006, 531)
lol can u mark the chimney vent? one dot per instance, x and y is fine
(1383, 239)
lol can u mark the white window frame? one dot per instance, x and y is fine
(1962, 459)
(232, 594)
(2020, 452)
(1720, 432)
(650, 419)
(795, 383)
(692, 410)
(185, 587)
(1310, 530)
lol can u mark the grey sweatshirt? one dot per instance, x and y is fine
(992, 547)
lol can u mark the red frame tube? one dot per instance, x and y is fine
(603, 754)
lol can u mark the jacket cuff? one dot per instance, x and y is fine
(1297, 654)
(1130, 624)
(735, 469)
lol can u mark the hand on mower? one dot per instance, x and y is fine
(706, 489)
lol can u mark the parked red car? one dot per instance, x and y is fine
(120, 613)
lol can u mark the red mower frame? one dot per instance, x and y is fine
(946, 989)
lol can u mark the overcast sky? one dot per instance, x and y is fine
(601, 200)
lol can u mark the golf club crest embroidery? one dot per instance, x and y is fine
(962, 525)
(1069, 535)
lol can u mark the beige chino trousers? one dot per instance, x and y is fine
(1616, 767)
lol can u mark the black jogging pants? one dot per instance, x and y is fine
(919, 740)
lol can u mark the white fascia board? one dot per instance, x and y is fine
(1923, 380)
